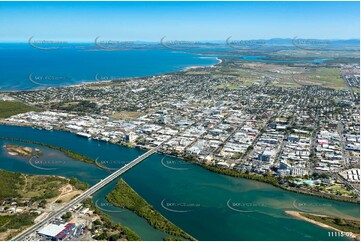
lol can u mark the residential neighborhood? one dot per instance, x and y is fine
(270, 130)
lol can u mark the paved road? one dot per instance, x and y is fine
(345, 154)
(84, 195)
(349, 87)
(353, 187)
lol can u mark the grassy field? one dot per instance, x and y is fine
(41, 187)
(9, 184)
(291, 75)
(332, 54)
(16, 185)
(338, 190)
(327, 77)
(9, 108)
(16, 221)
(229, 86)
(125, 197)
(126, 115)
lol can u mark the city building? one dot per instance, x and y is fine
(56, 231)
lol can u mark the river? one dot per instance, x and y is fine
(208, 206)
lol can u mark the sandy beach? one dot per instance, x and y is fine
(211, 66)
(12, 153)
(299, 216)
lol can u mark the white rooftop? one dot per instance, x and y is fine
(52, 230)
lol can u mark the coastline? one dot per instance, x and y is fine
(299, 215)
(138, 77)
(228, 172)
(98, 82)
(208, 66)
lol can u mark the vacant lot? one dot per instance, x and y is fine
(126, 115)
(9, 108)
(241, 74)
(16, 185)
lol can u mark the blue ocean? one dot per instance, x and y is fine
(23, 67)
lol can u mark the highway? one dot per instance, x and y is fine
(83, 196)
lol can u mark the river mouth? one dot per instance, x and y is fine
(192, 198)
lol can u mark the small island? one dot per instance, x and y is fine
(29, 152)
(24, 151)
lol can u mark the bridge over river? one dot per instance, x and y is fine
(83, 196)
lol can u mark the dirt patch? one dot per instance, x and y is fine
(4, 236)
(126, 115)
(68, 192)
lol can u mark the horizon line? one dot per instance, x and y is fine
(159, 41)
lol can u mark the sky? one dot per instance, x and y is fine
(191, 21)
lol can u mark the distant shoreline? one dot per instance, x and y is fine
(97, 82)
(208, 66)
